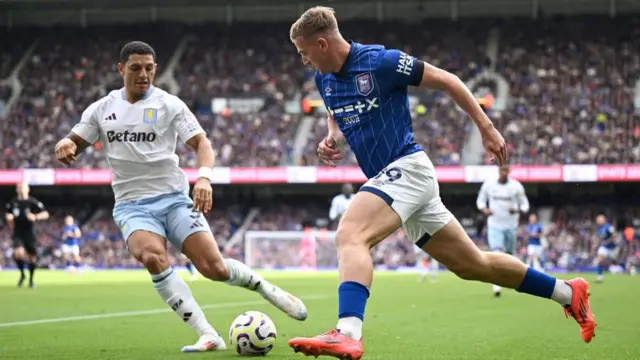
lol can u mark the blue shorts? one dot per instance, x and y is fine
(171, 216)
(502, 239)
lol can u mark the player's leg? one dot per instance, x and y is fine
(435, 269)
(190, 232)
(66, 255)
(145, 238)
(455, 250)
(603, 254)
(368, 220)
(19, 258)
(32, 258)
(496, 240)
(77, 260)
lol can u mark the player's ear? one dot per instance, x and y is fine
(323, 43)
(121, 68)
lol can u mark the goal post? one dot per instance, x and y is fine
(314, 249)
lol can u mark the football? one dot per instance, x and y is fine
(252, 333)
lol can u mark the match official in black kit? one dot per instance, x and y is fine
(22, 213)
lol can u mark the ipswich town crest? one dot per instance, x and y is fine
(364, 84)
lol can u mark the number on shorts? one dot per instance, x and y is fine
(392, 174)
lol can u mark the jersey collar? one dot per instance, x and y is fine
(345, 66)
(145, 97)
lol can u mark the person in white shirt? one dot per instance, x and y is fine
(502, 200)
(340, 203)
(138, 126)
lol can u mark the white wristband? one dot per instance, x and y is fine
(205, 172)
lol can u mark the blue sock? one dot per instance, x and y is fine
(537, 284)
(68, 263)
(600, 268)
(352, 299)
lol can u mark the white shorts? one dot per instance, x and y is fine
(409, 185)
(606, 253)
(71, 249)
(534, 250)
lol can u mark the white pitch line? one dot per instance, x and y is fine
(141, 312)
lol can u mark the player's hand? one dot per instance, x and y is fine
(494, 144)
(487, 212)
(31, 217)
(329, 150)
(202, 195)
(66, 151)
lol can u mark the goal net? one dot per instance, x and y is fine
(311, 249)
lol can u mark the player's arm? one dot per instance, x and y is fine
(406, 70)
(333, 211)
(38, 209)
(83, 135)
(438, 79)
(77, 232)
(8, 216)
(190, 131)
(483, 199)
(523, 201)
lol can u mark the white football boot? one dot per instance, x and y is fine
(281, 299)
(207, 342)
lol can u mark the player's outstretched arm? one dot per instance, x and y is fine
(438, 79)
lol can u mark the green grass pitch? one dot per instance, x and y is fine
(117, 315)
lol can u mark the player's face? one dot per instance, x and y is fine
(22, 189)
(347, 189)
(314, 52)
(533, 219)
(68, 221)
(504, 173)
(600, 220)
(138, 73)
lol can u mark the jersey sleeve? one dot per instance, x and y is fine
(400, 69)
(37, 206)
(88, 127)
(185, 121)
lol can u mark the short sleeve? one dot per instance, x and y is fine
(401, 69)
(88, 127)
(37, 206)
(185, 121)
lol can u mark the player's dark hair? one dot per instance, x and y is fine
(136, 48)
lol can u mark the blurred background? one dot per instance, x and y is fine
(559, 78)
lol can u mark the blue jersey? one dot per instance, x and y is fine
(534, 231)
(72, 240)
(605, 233)
(368, 100)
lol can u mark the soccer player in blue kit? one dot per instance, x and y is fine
(364, 88)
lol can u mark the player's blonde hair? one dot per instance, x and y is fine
(316, 20)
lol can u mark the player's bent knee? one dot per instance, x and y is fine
(154, 261)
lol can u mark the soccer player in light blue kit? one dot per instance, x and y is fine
(607, 245)
(502, 200)
(364, 88)
(71, 243)
(139, 126)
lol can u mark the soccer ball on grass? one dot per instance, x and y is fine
(252, 333)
